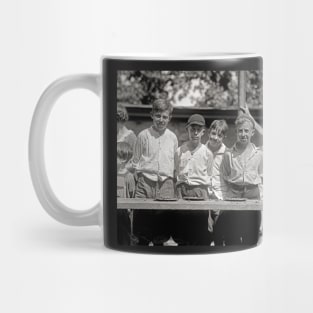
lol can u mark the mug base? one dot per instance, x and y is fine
(181, 249)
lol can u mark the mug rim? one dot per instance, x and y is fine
(180, 57)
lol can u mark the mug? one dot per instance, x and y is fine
(181, 152)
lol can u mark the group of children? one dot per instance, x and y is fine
(153, 166)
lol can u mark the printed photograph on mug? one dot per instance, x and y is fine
(189, 157)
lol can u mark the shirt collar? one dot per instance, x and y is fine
(156, 133)
(221, 149)
(251, 146)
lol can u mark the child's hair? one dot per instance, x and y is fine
(244, 118)
(161, 105)
(121, 114)
(220, 126)
(124, 151)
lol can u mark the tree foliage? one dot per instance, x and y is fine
(254, 91)
(213, 89)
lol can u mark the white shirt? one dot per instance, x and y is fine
(243, 168)
(193, 167)
(219, 187)
(154, 154)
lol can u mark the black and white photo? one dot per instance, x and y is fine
(189, 158)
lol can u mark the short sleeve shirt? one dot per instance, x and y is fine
(245, 168)
(194, 167)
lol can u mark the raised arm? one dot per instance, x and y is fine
(258, 127)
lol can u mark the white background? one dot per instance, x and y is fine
(49, 267)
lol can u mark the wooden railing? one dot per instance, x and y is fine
(142, 112)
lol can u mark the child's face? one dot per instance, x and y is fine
(245, 131)
(216, 138)
(161, 120)
(119, 163)
(195, 133)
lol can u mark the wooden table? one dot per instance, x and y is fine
(181, 205)
(151, 204)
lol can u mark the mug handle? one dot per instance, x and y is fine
(45, 194)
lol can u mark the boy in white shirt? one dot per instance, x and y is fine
(153, 161)
(193, 163)
(217, 133)
(242, 170)
(218, 188)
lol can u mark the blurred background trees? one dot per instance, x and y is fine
(204, 89)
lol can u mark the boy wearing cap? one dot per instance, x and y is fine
(193, 163)
(153, 161)
(242, 169)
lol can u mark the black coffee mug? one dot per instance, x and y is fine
(181, 153)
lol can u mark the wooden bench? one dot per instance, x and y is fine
(151, 204)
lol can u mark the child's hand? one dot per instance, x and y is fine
(245, 110)
(182, 177)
